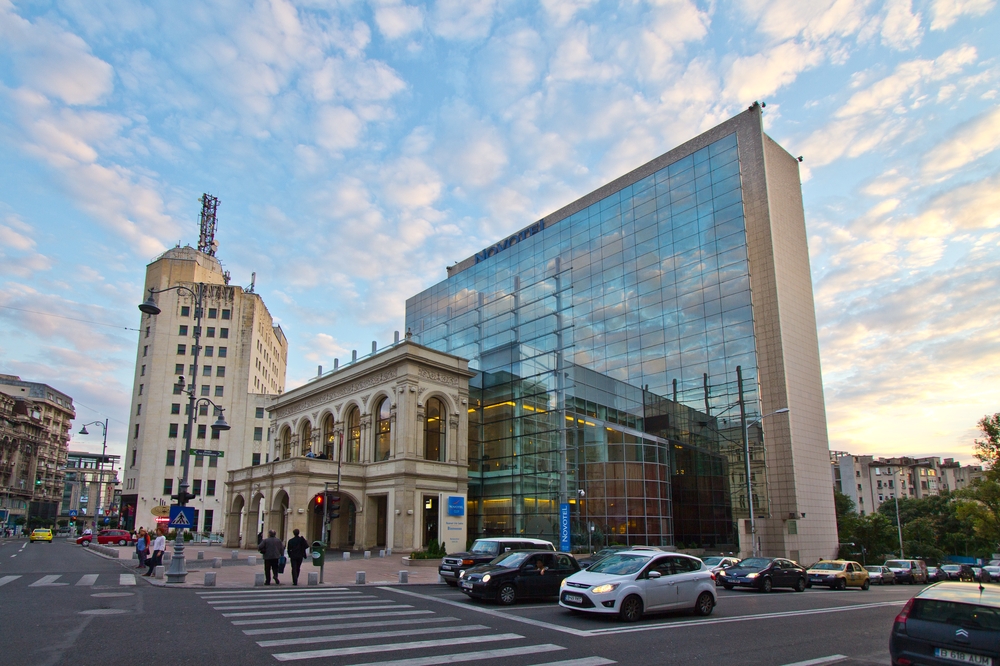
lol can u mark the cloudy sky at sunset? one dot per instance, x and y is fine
(358, 148)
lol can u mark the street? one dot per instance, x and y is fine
(60, 604)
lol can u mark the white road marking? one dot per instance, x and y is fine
(585, 661)
(126, 579)
(88, 579)
(832, 659)
(312, 640)
(339, 616)
(7, 579)
(299, 629)
(296, 598)
(371, 605)
(325, 602)
(472, 656)
(48, 581)
(230, 593)
(14, 555)
(413, 645)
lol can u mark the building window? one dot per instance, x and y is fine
(205, 389)
(140, 389)
(145, 350)
(222, 352)
(213, 461)
(354, 435)
(215, 435)
(793, 527)
(210, 487)
(134, 451)
(136, 435)
(218, 391)
(175, 408)
(210, 332)
(191, 370)
(202, 410)
(196, 487)
(206, 371)
(255, 459)
(168, 486)
(178, 368)
(209, 516)
(185, 311)
(434, 432)
(201, 431)
(147, 331)
(171, 457)
(181, 350)
(172, 431)
(209, 351)
(196, 331)
(182, 329)
(185, 430)
(220, 371)
(213, 313)
(258, 413)
(199, 461)
(223, 332)
(383, 430)
(225, 313)
(177, 389)
(138, 409)
(258, 434)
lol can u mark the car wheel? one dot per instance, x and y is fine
(865, 585)
(765, 586)
(121, 542)
(506, 595)
(728, 587)
(704, 605)
(800, 585)
(842, 584)
(631, 609)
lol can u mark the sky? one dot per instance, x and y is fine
(359, 148)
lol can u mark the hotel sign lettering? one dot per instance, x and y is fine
(512, 240)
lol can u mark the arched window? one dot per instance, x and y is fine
(329, 442)
(286, 444)
(354, 435)
(383, 430)
(434, 432)
(306, 438)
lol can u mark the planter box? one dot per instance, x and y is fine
(422, 563)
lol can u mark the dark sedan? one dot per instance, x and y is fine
(764, 573)
(519, 574)
(948, 623)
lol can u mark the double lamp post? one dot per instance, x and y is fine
(100, 473)
(177, 572)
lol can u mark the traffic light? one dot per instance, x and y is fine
(318, 504)
(333, 506)
(183, 498)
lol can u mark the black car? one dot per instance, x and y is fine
(519, 574)
(599, 555)
(765, 573)
(948, 623)
(483, 551)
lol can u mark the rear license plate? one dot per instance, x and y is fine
(962, 657)
(446, 567)
(466, 585)
(573, 598)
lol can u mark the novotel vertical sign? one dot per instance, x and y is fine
(511, 240)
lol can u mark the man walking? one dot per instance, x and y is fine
(296, 553)
(159, 546)
(272, 549)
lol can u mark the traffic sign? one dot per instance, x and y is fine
(73, 513)
(181, 517)
(160, 511)
(212, 453)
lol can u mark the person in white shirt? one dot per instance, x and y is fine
(159, 546)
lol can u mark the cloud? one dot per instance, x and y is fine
(815, 21)
(395, 19)
(760, 75)
(967, 143)
(409, 182)
(573, 61)
(901, 27)
(337, 128)
(946, 12)
(463, 19)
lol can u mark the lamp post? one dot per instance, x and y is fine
(177, 572)
(100, 474)
(746, 460)
(583, 493)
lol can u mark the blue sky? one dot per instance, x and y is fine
(358, 148)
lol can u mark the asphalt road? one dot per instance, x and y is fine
(60, 604)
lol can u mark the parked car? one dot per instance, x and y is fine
(993, 571)
(40, 535)
(633, 582)
(838, 574)
(611, 550)
(107, 537)
(908, 571)
(765, 573)
(483, 551)
(518, 574)
(951, 571)
(948, 623)
(879, 575)
(718, 563)
(980, 575)
(936, 575)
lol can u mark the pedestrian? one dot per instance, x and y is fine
(297, 547)
(159, 546)
(142, 547)
(272, 549)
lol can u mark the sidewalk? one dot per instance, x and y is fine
(237, 573)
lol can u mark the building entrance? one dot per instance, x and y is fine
(430, 520)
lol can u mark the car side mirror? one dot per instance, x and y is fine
(653, 575)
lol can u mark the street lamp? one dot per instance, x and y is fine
(100, 477)
(746, 460)
(177, 572)
(583, 493)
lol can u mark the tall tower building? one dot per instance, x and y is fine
(241, 366)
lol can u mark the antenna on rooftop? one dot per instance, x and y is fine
(253, 282)
(206, 241)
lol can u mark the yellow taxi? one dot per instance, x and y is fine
(838, 574)
(41, 535)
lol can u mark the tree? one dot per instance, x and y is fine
(988, 449)
(874, 536)
(846, 514)
(982, 508)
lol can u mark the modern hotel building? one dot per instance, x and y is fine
(627, 344)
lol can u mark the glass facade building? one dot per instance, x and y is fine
(618, 356)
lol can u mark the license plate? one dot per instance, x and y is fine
(574, 598)
(446, 567)
(962, 657)
(466, 585)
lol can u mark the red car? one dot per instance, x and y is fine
(108, 537)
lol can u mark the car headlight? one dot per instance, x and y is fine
(486, 578)
(603, 589)
(752, 575)
(721, 573)
(461, 574)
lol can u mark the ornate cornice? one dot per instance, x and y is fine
(437, 376)
(336, 392)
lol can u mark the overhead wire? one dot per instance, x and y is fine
(85, 321)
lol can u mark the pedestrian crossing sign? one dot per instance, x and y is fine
(182, 517)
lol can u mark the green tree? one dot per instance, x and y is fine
(981, 507)
(873, 535)
(988, 449)
(846, 515)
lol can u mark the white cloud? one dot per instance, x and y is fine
(946, 12)
(395, 19)
(901, 27)
(573, 62)
(967, 143)
(757, 76)
(409, 182)
(815, 20)
(463, 19)
(562, 11)
(337, 128)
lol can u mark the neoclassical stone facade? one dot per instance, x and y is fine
(390, 430)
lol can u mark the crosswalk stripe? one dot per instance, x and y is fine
(126, 579)
(303, 591)
(312, 640)
(300, 629)
(88, 579)
(48, 581)
(7, 579)
(368, 605)
(291, 597)
(309, 604)
(412, 645)
(583, 661)
(467, 656)
(339, 616)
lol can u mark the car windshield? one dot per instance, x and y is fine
(950, 612)
(510, 560)
(620, 565)
(898, 564)
(754, 563)
(951, 567)
(828, 566)
(873, 569)
(481, 547)
(712, 561)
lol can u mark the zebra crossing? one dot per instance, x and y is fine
(86, 580)
(354, 627)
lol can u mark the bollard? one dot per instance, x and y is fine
(167, 557)
(404, 577)
(258, 580)
(135, 555)
(388, 551)
(313, 578)
(158, 572)
(381, 553)
(236, 555)
(359, 578)
(347, 556)
(201, 554)
(216, 562)
(209, 579)
(368, 554)
(252, 560)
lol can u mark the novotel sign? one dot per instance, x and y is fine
(511, 240)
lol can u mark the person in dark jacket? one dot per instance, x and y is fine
(272, 549)
(297, 547)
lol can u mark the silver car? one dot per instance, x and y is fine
(879, 575)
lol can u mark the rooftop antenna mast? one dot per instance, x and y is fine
(206, 241)
(253, 282)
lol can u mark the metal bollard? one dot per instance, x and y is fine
(381, 553)
(258, 580)
(201, 554)
(158, 572)
(209, 579)
(236, 555)
(368, 554)
(167, 557)
(359, 578)
(313, 578)
(404, 577)
(252, 560)
(347, 556)
(388, 551)
(216, 562)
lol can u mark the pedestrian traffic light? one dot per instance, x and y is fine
(333, 506)
(318, 504)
